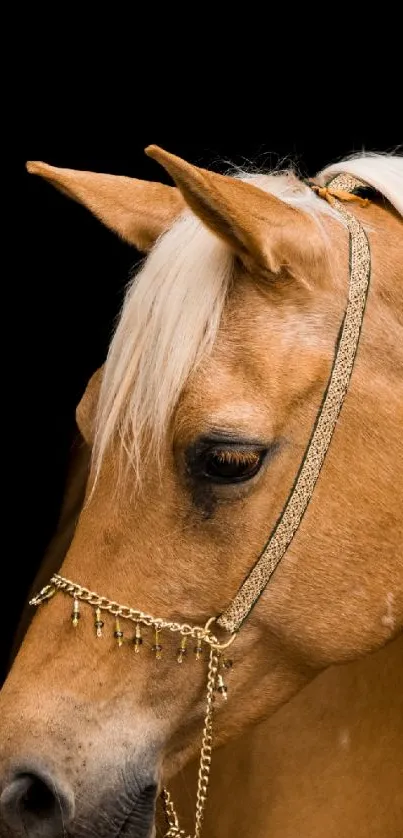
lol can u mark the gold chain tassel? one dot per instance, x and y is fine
(221, 687)
(182, 651)
(137, 638)
(198, 650)
(98, 623)
(118, 633)
(157, 648)
(76, 612)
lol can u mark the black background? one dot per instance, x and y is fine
(67, 273)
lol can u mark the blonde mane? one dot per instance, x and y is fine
(173, 308)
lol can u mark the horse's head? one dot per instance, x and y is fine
(199, 422)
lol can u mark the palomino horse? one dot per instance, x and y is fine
(229, 384)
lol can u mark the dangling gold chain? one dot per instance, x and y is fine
(174, 830)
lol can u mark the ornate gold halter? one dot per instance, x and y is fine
(340, 188)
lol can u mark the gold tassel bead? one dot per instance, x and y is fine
(98, 623)
(137, 638)
(198, 649)
(221, 687)
(157, 648)
(182, 651)
(118, 633)
(76, 612)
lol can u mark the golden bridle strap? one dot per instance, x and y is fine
(326, 420)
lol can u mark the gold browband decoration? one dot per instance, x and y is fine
(340, 189)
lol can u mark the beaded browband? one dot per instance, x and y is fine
(341, 188)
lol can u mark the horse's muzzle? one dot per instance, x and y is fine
(36, 805)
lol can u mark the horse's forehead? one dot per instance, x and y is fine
(259, 328)
(241, 383)
(243, 335)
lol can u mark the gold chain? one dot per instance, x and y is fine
(78, 592)
(201, 634)
(174, 830)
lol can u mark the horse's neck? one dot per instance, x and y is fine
(329, 763)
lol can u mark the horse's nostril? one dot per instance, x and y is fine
(35, 805)
(36, 796)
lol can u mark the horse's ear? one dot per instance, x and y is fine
(139, 211)
(87, 408)
(259, 227)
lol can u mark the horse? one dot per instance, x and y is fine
(245, 488)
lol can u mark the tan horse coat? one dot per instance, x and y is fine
(327, 764)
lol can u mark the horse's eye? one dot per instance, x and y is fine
(228, 464)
